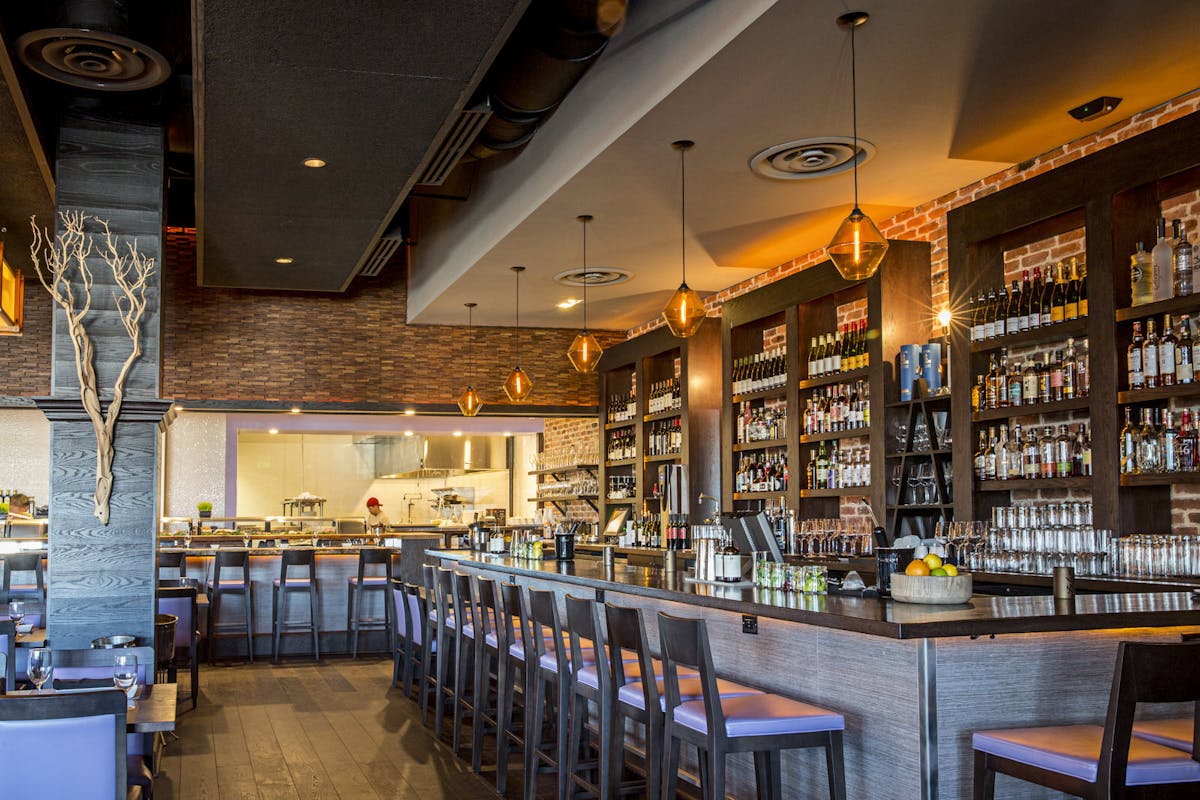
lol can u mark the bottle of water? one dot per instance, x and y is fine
(1181, 258)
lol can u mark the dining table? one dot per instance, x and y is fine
(153, 710)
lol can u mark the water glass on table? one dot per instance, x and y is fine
(125, 671)
(39, 666)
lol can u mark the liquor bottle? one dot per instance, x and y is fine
(989, 316)
(1160, 258)
(974, 308)
(1185, 445)
(1166, 354)
(1184, 366)
(1150, 356)
(1001, 379)
(1001, 324)
(1015, 383)
(812, 357)
(1083, 291)
(1063, 445)
(978, 393)
(980, 456)
(1015, 456)
(1046, 452)
(1002, 452)
(1133, 359)
(1141, 276)
(1030, 460)
(822, 468)
(1058, 296)
(1023, 323)
(1035, 299)
(1072, 306)
(989, 456)
(991, 386)
(1070, 386)
(835, 353)
(1083, 374)
(864, 355)
(1129, 445)
(1085, 444)
(1012, 322)
(1170, 442)
(1181, 259)
(1149, 455)
(1029, 382)
(1056, 377)
(1044, 392)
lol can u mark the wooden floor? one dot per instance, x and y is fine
(304, 730)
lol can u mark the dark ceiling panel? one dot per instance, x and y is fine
(366, 86)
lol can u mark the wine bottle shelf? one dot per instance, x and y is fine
(662, 457)
(612, 426)
(563, 498)
(836, 377)
(1160, 479)
(1031, 484)
(1041, 335)
(939, 400)
(765, 394)
(850, 491)
(568, 468)
(853, 433)
(921, 453)
(758, 495)
(920, 507)
(760, 445)
(621, 501)
(1030, 410)
(621, 462)
(1158, 393)
(1173, 305)
(673, 413)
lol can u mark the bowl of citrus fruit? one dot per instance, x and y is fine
(931, 580)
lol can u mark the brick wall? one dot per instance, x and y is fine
(584, 436)
(26, 358)
(1043, 254)
(355, 347)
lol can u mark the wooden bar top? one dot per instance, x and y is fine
(982, 616)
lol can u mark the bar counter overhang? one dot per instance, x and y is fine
(913, 681)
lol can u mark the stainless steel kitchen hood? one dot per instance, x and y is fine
(435, 457)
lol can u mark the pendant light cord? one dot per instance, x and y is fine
(517, 332)
(854, 108)
(683, 215)
(470, 343)
(585, 275)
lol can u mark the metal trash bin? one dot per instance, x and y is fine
(164, 645)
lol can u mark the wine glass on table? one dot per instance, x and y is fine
(125, 672)
(39, 666)
(16, 612)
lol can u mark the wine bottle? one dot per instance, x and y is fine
(1023, 311)
(1133, 360)
(1058, 296)
(1181, 259)
(1072, 306)
(1150, 356)
(1035, 300)
(1184, 367)
(1166, 354)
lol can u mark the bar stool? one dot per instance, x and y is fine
(763, 724)
(26, 563)
(1108, 761)
(488, 660)
(282, 586)
(430, 636)
(465, 625)
(359, 585)
(173, 561)
(547, 665)
(405, 637)
(443, 607)
(510, 643)
(218, 587)
(1177, 733)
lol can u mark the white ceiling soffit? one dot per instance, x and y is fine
(642, 67)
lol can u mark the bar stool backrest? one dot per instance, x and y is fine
(488, 616)
(373, 556)
(22, 562)
(296, 557)
(413, 610)
(182, 602)
(1147, 672)
(8, 649)
(176, 561)
(627, 632)
(684, 642)
(585, 632)
(40, 733)
(230, 559)
(90, 664)
(543, 615)
(464, 603)
(514, 616)
(443, 592)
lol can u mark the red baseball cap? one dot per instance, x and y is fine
(374, 501)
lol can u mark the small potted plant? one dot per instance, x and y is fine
(3, 510)
(204, 509)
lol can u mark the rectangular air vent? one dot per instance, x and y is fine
(379, 256)
(470, 121)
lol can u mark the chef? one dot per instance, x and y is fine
(375, 515)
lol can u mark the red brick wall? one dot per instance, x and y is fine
(223, 344)
(583, 434)
(26, 358)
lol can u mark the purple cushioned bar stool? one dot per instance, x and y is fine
(465, 625)
(405, 637)
(176, 561)
(218, 587)
(629, 696)
(1108, 761)
(510, 677)
(430, 637)
(1179, 733)
(304, 558)
(359, 586)
(181, 601)
(763, 724)
(442, 609)
(40, 733)
(488, 658)
(547, 665)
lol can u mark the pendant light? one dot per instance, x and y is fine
(685, 311)
(517, 386)
(857, 246)
(585, 351)
(469, 403)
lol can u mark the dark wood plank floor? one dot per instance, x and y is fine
(304, 730)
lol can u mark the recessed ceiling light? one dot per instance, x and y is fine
(273, 431)
(408, 433)
(570, 302)
(285, 260)
(178, 407)
(295, 409)
(314, 163)
(508, 433)
(408, 412)
(458, 433)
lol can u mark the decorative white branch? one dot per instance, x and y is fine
(59, 261)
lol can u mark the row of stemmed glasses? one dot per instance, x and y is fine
(922, 483)
(833, 537)
(125, 671)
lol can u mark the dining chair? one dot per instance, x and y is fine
(1108, 761)
(8, 652)
(182, 602)
(65, 745)
(358, 589)
(29, 563)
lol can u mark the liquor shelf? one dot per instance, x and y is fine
(1029, 410)
(1059, 331)
(1160, 478)
(1031, 484)
(1185, 304)
(1132, 396)
(835, 377)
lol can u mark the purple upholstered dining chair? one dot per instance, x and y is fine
(181, 601)
(41, 734)
(1108, 761)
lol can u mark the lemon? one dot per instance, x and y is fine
(916, 567)
(950, 569)
(938, 572)
(933, 560)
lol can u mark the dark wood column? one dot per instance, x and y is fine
(102, 577)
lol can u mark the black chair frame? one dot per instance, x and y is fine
(227, 559)
(306, 559)
(356, 588)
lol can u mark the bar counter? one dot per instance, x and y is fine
(913, 681)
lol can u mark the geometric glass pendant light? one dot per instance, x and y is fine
(857, 246)
(585, 351)
(684, 311)
(469, 403)
(517, 386)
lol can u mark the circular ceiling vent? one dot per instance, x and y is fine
(811, 158)
(92, 59)
(595, 276)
